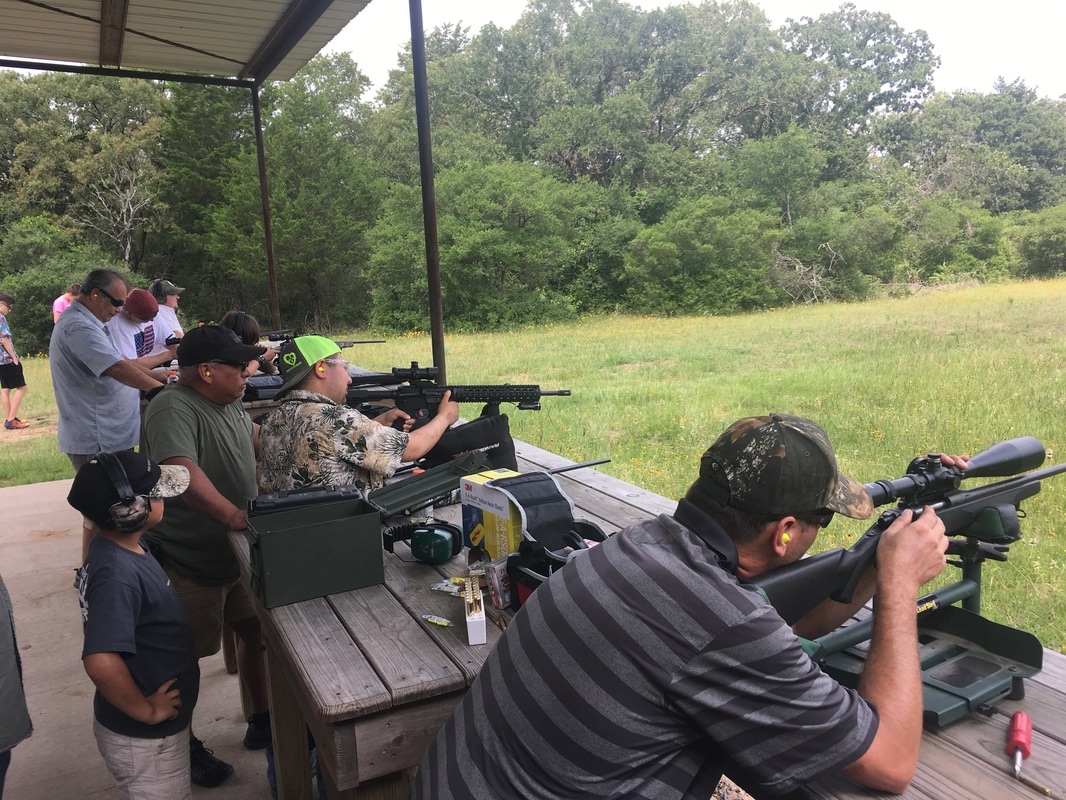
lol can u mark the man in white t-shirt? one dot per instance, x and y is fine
(166, 321)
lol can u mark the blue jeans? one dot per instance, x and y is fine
(272, 777)
(5, 760)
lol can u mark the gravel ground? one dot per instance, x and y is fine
(727, 790)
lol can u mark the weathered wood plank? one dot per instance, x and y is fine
(965, 761)
(293, 768)
(320, 652)
(409, 582)
(405, 657)
(980, 740)
(399, 739)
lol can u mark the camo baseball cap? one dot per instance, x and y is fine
(778, 464)
(94, 493)
(298, 355)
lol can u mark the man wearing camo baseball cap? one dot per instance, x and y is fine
(661, 670)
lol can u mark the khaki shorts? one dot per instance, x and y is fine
(146, 769)
(209, 607)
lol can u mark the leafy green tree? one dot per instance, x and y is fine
(867, 64)
(324, 198)
(604, 143)
(38, 261)
(717, 74)
(118, 190)
(88, 159)
(1043, 245)
(204, 131)
(704, 258)
(861, 65)
(514, 244)
(778, 171)
(1007, 150)
(21, 106)
(948, 240)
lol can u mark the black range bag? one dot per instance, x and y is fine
(550, 534)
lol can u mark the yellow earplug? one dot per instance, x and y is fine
(785, 538)
(207, 373)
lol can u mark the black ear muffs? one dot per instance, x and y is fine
(430, 544)
(131, 512)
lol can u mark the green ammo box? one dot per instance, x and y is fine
(317, 544)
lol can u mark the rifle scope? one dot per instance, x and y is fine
(415, 373)
(927, 477)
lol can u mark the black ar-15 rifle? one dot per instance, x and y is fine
(421, 396)
(983, 522)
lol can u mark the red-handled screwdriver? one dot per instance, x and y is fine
(1019, 745)
(1019, 740)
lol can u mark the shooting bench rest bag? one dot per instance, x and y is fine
(489, 434)
(550, 534)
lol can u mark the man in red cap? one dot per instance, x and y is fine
(133, 333)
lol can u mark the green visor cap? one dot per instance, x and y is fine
(298, 355)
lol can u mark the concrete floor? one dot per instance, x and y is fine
(40, 546)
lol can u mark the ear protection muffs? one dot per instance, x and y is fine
(132, 510)
(430, 544)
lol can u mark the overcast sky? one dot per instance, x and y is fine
(976, 42)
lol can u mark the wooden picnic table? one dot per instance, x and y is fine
(373, 680)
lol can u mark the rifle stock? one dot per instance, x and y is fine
(985, 516)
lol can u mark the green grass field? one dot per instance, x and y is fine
(953, 370)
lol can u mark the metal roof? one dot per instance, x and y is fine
(248, 40)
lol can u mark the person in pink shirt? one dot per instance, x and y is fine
(59, 305)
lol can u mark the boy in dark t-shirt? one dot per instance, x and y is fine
(138, 647)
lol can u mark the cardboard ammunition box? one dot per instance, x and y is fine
(490, 520)
(315, 550)
(499, 583)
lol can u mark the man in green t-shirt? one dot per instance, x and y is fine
(199, 423)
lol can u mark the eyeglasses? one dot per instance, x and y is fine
(236, 364)
(821, 518)
(114, 301)
(340, 362)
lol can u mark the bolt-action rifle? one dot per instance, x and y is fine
(967, 662)
(419, 396)
(983, 523)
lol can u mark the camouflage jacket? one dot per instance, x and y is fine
(309, 440)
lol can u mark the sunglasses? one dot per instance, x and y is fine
(115, 302)
(236, 364)
(821, 518)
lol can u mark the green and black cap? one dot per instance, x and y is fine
(298, 355)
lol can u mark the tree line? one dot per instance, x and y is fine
(592, 158)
